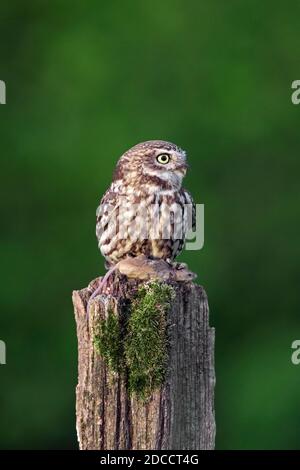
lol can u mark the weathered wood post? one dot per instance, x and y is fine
(179, 414)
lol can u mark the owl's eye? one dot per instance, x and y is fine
(163, 158)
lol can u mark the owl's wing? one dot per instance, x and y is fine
(192, 207)
(104, 215)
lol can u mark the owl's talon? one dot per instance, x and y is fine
(182, 266)
(101, 287)
(177, 266)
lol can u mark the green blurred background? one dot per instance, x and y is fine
(86, 81)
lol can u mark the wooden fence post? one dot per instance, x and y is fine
(177, 416)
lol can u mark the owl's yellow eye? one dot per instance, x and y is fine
(163, 158)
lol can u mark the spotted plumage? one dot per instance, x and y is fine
(146, 210)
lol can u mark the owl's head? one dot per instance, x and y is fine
(155, 162)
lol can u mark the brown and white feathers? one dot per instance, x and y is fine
(146, 210)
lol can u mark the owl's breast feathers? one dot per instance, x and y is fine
(135, 222)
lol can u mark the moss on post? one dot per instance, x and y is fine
(108, 342)
(146, 341)
(142, 349)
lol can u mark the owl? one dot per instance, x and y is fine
(146, 210)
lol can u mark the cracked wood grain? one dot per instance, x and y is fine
(180, 415)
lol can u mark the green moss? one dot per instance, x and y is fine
(146, 340)
(142, 353)
(108, 342)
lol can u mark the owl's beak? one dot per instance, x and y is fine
(182, 168)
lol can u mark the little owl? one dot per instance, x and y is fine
(145, 210)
